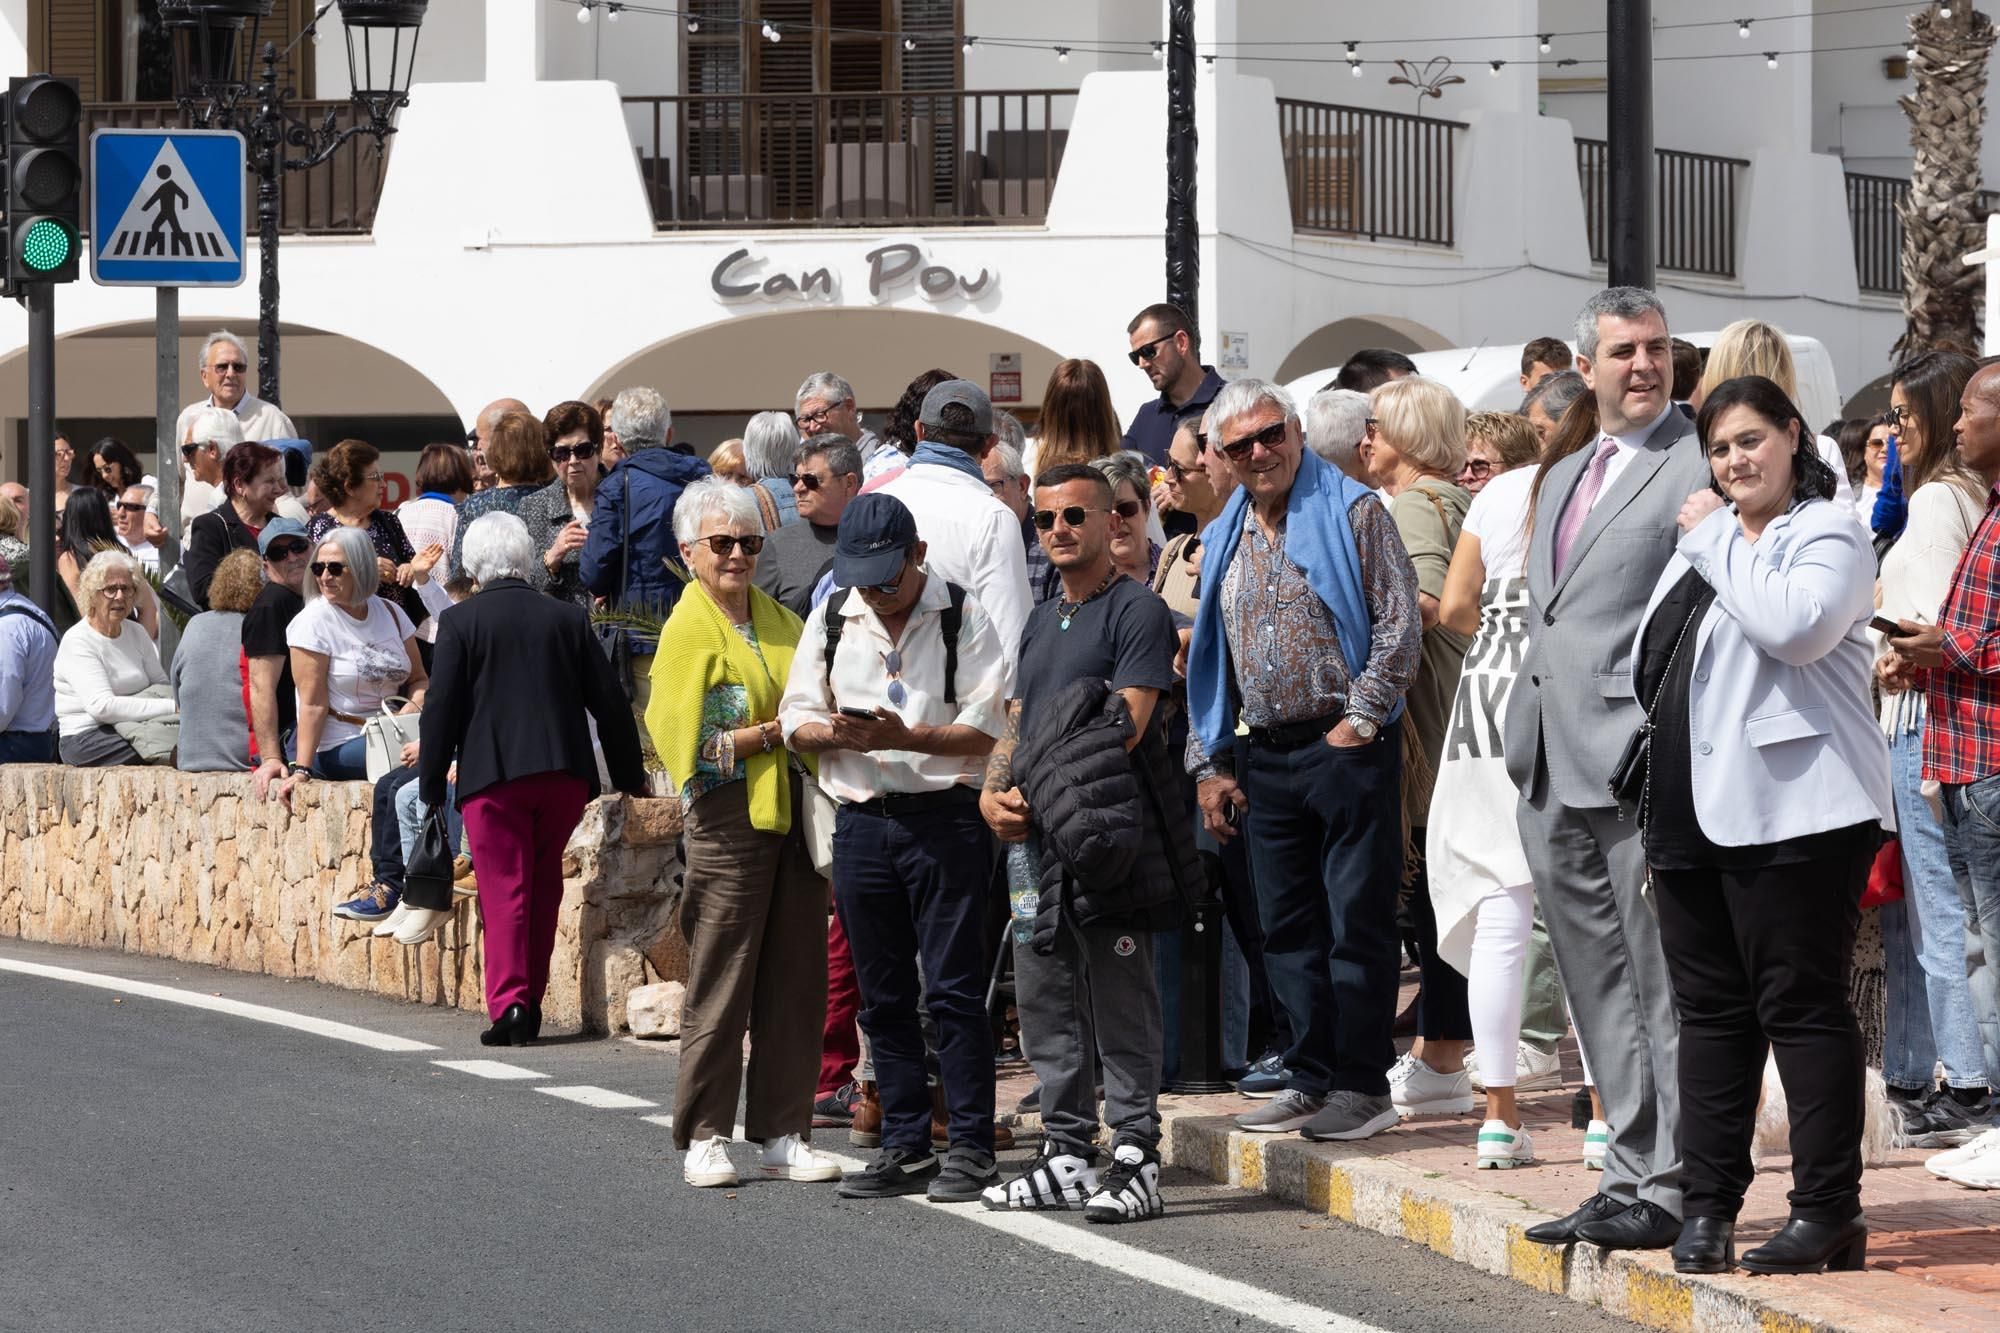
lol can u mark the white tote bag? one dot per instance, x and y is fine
(386, 734)
(818, 817)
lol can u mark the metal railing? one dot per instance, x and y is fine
(335, 198)
(1695, 199)
(955, 156)
(1383, 175)
(1875, 216)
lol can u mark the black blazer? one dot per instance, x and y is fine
(210, 537)
(514, 673)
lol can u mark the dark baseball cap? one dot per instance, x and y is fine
(967, 395)
(877, 533)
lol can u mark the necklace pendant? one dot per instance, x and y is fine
(1063, 624)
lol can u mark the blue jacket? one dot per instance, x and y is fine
(637, 498)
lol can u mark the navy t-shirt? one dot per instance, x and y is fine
(1125, 635)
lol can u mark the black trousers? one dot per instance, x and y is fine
(1444, 1010)
(1759, 960)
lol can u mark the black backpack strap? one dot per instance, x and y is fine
(835, 623)
(949, 621)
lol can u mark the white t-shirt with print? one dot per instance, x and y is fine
(1499, 518)
(367, 660)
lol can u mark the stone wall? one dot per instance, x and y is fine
(191, 866)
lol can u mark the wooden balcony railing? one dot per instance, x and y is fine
(955, 157)
(1695, 197)
(335, 198)
(1382, 175)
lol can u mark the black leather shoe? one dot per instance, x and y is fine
(1707, 1245)
(510, 1029)
(534, 1022)
(1564, 1229)
(1643, 1226)
(1812, 1247)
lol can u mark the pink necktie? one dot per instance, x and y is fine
(1580, 503)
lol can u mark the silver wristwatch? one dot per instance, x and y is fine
(1365, 728)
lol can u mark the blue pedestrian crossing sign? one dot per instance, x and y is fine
(167, 208)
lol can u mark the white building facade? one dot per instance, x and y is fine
(570, 207)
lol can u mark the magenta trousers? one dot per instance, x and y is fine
(518, 830)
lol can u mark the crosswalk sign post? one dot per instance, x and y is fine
(167, 210)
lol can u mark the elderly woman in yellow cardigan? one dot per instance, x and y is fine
(754, 912)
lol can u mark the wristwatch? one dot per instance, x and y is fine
(1365, 728)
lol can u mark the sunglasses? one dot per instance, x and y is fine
(1178, 473)
(892, 662)
(562, 453)
(1073, 516)
(127, 507)
(1126, 509)
(720, 544)
(228, 367)
(284, 550)
(810, 481)
(1900, 414)
(1270, 437)
(1477, 467)
(327, 568)
(187, 450)
(1145, 352)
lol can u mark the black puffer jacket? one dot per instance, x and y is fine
(1110, 853)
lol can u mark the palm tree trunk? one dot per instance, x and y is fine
(1942, 217)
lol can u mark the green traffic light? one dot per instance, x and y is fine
(47, 246)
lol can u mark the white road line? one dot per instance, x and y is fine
(602, 1099)
(261, 1013)
(1093, 1246)
(738, 1133)
(488, 1068)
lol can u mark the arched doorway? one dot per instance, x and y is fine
(1331, 344)
(716, 377)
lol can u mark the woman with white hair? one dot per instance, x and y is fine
(351, 653)
(770, 456)
(524, 775)
(755, 909)
(1134, 551)
(108, 671)
(210, 433)
(1413, 449)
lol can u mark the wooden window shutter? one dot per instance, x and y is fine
(71, 42)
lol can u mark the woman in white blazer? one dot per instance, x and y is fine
(1766, 791)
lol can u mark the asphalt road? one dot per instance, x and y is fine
(167, 1167)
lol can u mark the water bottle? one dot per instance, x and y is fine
(1024, 891)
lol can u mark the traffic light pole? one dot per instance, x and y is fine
(166, 414)
(40, 299)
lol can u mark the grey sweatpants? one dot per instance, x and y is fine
(1093, 1001)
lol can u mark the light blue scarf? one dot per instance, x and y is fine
(1319, 539)
(945, 455)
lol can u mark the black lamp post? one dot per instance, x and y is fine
(213, 41)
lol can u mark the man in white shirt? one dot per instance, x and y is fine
(825, 405)
(973, 539)
(902, 723)
(210, 433)
(128, 516)
(225, 373)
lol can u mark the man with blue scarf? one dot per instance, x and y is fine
(973, 539)
(1308, 631)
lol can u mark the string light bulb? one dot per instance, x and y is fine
(1545, 42)
(1770, 60)
(1743, 28)
(611, 11)
(1159, 52)
(909, 44)
(1351, 50)
(1910, 52)
(1354, 68)
(1944, 11)
(694, 24)
(771, 33)
(1062, 55)
(583, 11)
(1209, 60)
(966, 48)
(1496, 67)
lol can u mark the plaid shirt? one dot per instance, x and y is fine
(1962, 732)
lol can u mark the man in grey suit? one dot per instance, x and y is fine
(1603, 530)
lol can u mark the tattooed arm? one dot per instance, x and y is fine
(1000, 803)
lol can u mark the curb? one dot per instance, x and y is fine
(1485, 1231)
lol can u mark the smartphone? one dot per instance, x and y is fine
(867, 713)
(1885, 626)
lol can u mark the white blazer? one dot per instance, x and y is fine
(1783, 736)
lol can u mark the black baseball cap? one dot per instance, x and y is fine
(877, 534)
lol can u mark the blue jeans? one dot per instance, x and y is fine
(1923, 950)
(1972, 841)
(1326, 855)
(27, 747)
(345, 762)
(409, 816)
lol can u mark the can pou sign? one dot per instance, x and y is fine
(891, 269)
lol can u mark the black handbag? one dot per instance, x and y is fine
(1628, 776)
(427, 878)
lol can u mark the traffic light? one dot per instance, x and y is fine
(44, 169)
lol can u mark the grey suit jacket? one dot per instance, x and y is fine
(1573, 709)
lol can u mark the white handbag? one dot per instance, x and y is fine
(816, 820)
(385, 735)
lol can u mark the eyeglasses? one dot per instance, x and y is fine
(1476, 467)
(118, 589)
(1270, 437)
(892, 662)
(372, 476)
(327, 568)
(721, 542)
(562, 453)
(1073, 516)
(810, 481)
(1127, 509)
(813, 420)
(1145, 352)
(1201, 441)
(229, 367)
(127, 507)
(889, 589)
(286, 550)
(1901, 414)
(1176, 472)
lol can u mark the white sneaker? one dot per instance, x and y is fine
(789, 1157)
(1534, 1071)
(1596, 1145)
(1503, 1149)
(1417, 1089)
(389, 924)
(1946, 1165)
(419, 923)
(708, 1164)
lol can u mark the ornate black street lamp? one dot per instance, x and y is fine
(213, 41)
